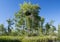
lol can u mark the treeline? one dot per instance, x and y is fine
(27, 22)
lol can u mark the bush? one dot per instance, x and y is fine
(10, 39)
(26, 39)
(37, 39)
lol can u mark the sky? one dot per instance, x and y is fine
(50, 9)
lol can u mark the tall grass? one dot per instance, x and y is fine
(26, 39)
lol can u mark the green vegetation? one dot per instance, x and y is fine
(28, 26)
(26, 39)
(10, 39)
(59, 32)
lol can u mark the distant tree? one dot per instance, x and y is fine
(47, 26)
(10, 23)
(41, 24)
(51, 30)
(59, 31)
(2, 29)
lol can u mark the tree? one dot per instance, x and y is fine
(10, 23)
(51, 30)
(47, 26)
(59, 31)
(2, 29)
(41, 24)
(28, 17)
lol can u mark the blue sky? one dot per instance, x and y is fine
(50, 9)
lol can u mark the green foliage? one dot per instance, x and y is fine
(26, 39)
(58, 31)
(10, 23)
(2, 29)
(29, 7)
(51, 30)
(47, 26)
(28, 17)
(41, 24)
(10, 39)
(38, 39)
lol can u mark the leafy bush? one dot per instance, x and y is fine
(10, 39)
(38, 39)
(26, 39)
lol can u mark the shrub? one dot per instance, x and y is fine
(10, 39)
(26, 39)
(37, 39)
